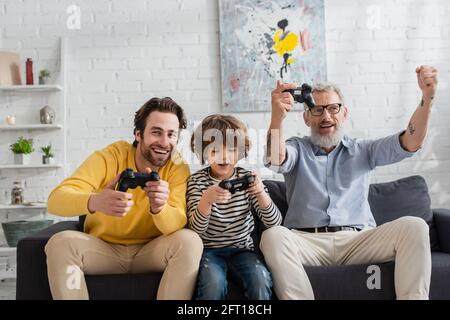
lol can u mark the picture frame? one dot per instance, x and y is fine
(10, 69)
(268, 40)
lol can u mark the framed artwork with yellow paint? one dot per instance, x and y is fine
(262, 41)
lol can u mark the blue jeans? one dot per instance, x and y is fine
(245, 268)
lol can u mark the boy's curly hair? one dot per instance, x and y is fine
(229, 129)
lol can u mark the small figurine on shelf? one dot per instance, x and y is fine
(47, 115)
(22, 149)
(29, 71)
(44, 74)
(48, 156)
(11, 120)
(17, 193)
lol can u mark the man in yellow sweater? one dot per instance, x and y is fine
(140, 230)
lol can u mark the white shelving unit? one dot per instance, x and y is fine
(30, 127)
(55, 95)
(8, 263)
(33, 88)
(30, 166)
(9, 250)
(22, 206)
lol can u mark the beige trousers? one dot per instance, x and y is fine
(71, 254)
(404, 241)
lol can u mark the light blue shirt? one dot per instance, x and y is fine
(332, 189)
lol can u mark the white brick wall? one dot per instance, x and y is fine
(128, 51)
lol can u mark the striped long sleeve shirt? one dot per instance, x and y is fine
(229, 224)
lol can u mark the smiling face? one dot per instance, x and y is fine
(221, 141)
(326, 129)
(222, 160)
(159, 138)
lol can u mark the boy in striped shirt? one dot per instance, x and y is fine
(223, 220)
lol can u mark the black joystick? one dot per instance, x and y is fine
(303, 95)
(131, 180)
(238, 184)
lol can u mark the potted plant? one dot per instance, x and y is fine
(44, 74)
(47, 158)
(22, 149)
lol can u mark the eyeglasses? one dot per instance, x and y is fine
(333, 108)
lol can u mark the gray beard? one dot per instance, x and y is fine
(327, 141)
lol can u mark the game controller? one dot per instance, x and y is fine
(303, 95)
(131, 180)
(238, 184)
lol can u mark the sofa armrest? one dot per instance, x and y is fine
(32, 281)
(442, 223)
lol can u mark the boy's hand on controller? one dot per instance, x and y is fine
(216, 194)
(256, 187)
(157, 192)
(111, 202)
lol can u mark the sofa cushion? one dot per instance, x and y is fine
(440, 276)
(404, 197)
(349, 282)
(137, 286)
(277, 191)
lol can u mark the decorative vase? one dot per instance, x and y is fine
(43, 80)
(21, 158)
(17, 193)
(47, 160)
(29, 71)
(16, 230)
(47, 115)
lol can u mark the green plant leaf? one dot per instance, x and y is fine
(44, 73)
(22, 145)
(47, 150)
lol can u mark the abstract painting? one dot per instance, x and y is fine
(262, 41)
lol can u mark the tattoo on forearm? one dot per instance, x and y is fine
(411, 129)
(269, 142)
(422, 102)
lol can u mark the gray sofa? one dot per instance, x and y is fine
(388, 201)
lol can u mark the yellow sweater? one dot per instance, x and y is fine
(139, 226)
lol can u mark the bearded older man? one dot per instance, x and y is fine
(329, 221)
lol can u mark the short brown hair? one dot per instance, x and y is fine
(156, 104)
(225, 125)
